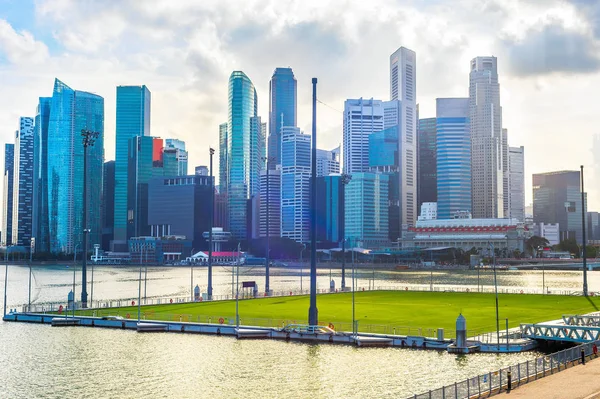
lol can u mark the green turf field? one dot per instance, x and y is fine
(377, 311)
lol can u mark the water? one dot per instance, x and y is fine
(45, 362)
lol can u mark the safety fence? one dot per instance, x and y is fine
(507, 378)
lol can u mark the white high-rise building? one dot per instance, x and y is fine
(403, 87)
(328, 162)
(361, 118)
(488, 151)
(516, 183)
(274, 200)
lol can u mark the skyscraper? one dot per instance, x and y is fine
(40, 184)
(180, 156)
(329, 208)
(282, 109)
(361, 118)
(241, 168)
(328, 162)
(295, 184)
(7, 205)
(557, 199)
(453, 142)
(426, 162)
(274, 200)
(487, 163)
(516, 171)
(108, 204)
(258, 152)
(70, 112)
(133, 119)
(23, 183)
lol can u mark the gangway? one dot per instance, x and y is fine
(564, 333)
(582, 320)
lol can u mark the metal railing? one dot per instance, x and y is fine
(494, 382)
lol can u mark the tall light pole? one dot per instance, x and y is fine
(302, 265)
(237, 291)
(209, 290)
(5, 275)
(268, 161)
(89, 138)
(345, 180)
(585, 284)
(31, 246)
(496, 289)
(191, 278)
(313, 313)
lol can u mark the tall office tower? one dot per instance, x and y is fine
(71, 111)
(295, 184)
(393, 112)
(181, 155)
(329, 208)
(7, 205)
(557, 199)
(383, 158)
(40, 179)
(133, 119)
(361, 118)
(367, 210)
(241, 171)
(453, 142)
(23, 183)
(593, 226)
(108, 204)
(201, 171)
(516, 172)
(144, 163)
(274, 201)
(328, 162)
(426, 162)
(258, 152)
(282, 109)
(221, 198)
(487, 152)
(403, 79)
(505, 175)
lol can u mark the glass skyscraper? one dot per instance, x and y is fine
(133, 119)
(7, 214)
(241, 170)
(329, 208)
(40, 165)
(453, 142)
(23, 183)
(70, 112)
(426, 162)
(282, 109)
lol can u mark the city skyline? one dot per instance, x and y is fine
(531, 74)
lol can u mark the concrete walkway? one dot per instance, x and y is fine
(577, 382)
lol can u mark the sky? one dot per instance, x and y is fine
(184, 51)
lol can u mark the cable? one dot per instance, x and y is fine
(327, 105)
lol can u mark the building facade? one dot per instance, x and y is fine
(282, 109)
(295, 184)
(453, 156)
(7, 203)
(179, 158)
(593, 226)
(241, 170)
(273, 199)
(23, 200)
(361, 118)
(550, 231)
(366, 210)
(516, 182)
(133, 119)
(426, 161)
(330, 208)
(40, 180)
(557, 199)
(71, 111)
(485, 118)
(108, 205)
(201, 171)
(328, 162)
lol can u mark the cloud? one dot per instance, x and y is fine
(20, 47)
(552, 49)
(590, 11)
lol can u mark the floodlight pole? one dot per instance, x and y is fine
(268, 200)
(209, 290)
(585, 283)
(345, 180)
(313, 313)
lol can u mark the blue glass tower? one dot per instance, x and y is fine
(241, 170)
(9, 161)
(329, 208)
(70, 112)
(426, 161)
(23, 183)
(453, 144)
(40, 188)
(282, 102)
(133, 119)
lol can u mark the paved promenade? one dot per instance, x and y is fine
(578, 382)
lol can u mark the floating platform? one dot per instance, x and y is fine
(247, 333)
(152, 327)
(471, 347)
(373, 341)
(65, 321)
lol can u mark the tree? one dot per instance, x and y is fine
(534, 242)
(569, 245)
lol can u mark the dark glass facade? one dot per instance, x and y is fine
(426, 162)
(23, 183)
(40, 188)
(9, 161)
(108, 204)
(282, 107)
(329, 209)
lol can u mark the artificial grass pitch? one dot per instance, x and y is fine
(392, 308)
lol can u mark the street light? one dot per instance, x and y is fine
(585, 283)
(209, 289)
(5, 275)
(31, 246)
(237, 291)
(496, 289)
(345, 180)
(268, 161)
(74, 263)
(89, 138)
(301, 265)
(191, 277)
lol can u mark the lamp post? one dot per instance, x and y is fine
(268, 161)
(31, 246)
(345, 180)
(237, 291)
(353, 289)
(496, 289)
(585, 284)
(209, 289)
(191, 277)
(301, 265)
(313, 312)
(5, 275)
(145, 274)
(74, 263)
(140, 294)
(89, 138)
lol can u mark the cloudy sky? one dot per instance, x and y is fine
(184, 51)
